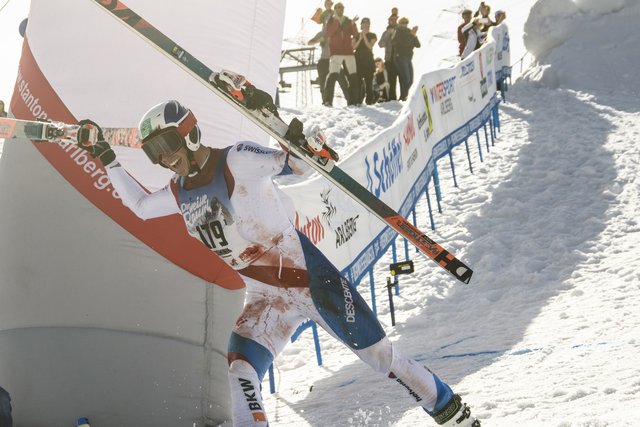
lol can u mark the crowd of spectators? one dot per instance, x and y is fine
(348, 52)
(472, 32)
(347, 56)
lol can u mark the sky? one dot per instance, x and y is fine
(11, 41)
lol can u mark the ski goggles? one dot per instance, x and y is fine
(162, 143)
(169, 140)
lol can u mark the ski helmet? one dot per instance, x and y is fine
(167, 127)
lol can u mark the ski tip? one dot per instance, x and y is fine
(464, 274)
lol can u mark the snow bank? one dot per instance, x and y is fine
(587, 46)
(552, 22)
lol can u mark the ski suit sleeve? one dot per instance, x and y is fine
(145, 205)
(251, 160)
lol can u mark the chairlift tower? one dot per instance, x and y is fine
(299, 60)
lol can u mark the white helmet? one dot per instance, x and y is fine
(167, 127)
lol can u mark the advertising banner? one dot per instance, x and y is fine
(443, 109)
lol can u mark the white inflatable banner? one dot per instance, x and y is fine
(102, 314)
(500, 34)
(444, 108)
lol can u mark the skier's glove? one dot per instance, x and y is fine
(91, 139)
(294, 134)
(237, 86)
(257, 99)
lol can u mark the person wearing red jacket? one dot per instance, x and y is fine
(342, 33)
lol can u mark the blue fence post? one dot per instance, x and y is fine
(491, 130)
(394, 257)
(272, 381)
(436, 185)
(453, 168)
(486, 136)
(466, 145)
(426, 192)
(373, 292)
(415, 224)
(406, 242)
(316, 342)
(496, 116)
(479, 146)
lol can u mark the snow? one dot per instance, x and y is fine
(548, 331)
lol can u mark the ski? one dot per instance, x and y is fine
(234, 89)
(34, 130)
(58, 131)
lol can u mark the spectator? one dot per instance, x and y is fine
(2, 112)
(381, 81)
(394, 11)
(462, 40)
(474, 37)
(342, 33)
(327, 13)
(5, 402)
(404, 41)
(386, 42)
(364, 60)
(483, 14)
(323, 66)
(500, 15)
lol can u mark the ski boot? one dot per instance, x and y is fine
(317, 143)
(313, 142)
(244, 92)
(455, 414)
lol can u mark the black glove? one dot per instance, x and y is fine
(294, 134)
(100, 149)
(256, 99)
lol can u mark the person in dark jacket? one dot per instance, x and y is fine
(404, 41)
(386, 42)
(363, 48)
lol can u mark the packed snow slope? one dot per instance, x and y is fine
(548, 331)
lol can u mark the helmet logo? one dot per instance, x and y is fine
(145, 128)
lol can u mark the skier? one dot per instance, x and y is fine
(230, 203)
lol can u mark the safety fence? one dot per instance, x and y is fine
(446, 109)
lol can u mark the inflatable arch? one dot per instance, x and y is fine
(101, 314)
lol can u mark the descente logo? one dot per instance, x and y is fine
(349, 308)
